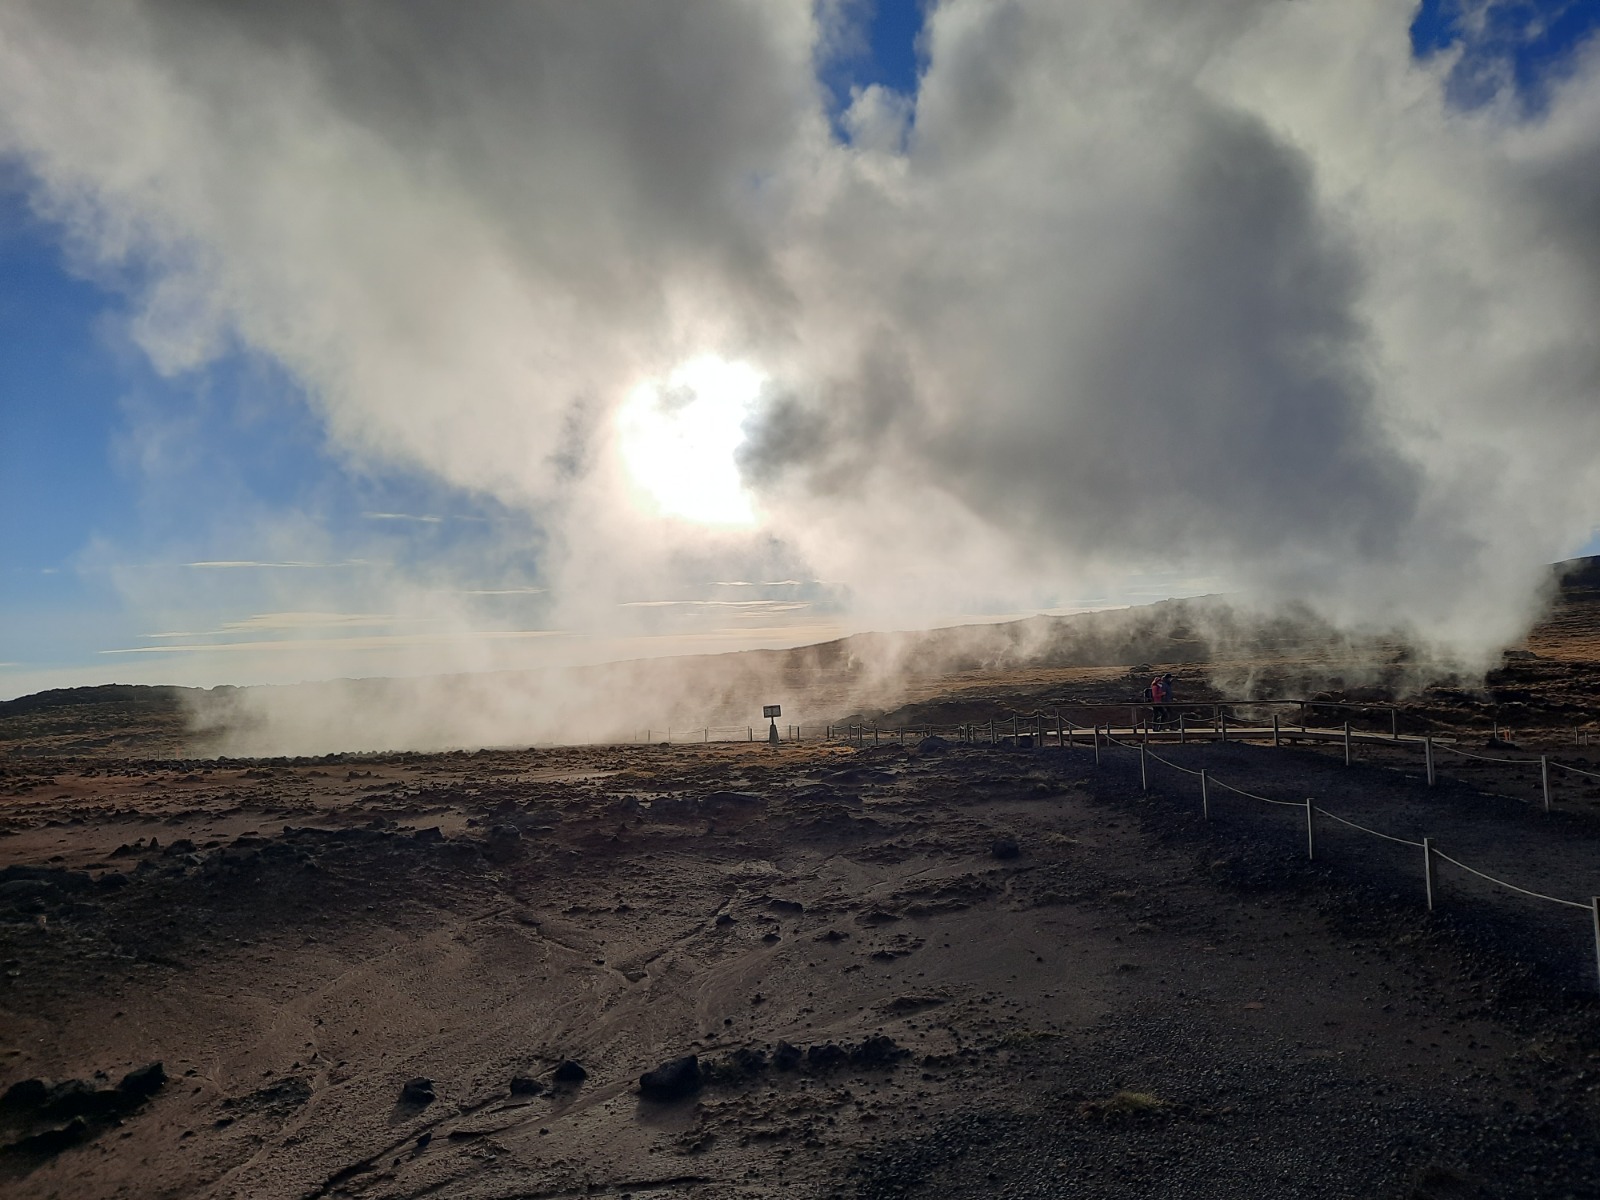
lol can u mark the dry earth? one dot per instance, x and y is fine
(934, 970)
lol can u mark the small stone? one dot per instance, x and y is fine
(525, 1085)
(1004, 848)
(418, 1091)
(570, 1072)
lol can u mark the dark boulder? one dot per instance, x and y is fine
(672, 1080)
(825, 1056)
(1004, 848)
(570, 1072)
(143, 1082)
(24, 1096)
(418, 1091)
(877, 1051)
(51, 1141)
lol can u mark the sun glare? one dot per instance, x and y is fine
(678, 437)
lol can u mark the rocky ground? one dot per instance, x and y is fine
(820, 970)
(939, 970)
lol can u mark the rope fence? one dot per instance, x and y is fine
(1037, 729)
(1312, 810)
(1153, 723)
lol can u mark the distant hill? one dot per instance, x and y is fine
(860, 675)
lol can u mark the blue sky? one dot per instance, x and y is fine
(109, 468)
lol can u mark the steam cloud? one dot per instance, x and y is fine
(1222, 286)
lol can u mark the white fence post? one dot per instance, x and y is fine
(1394, 723)
(1427, 757)
(1144, 770)
(1097, 744)
(1427, 868)
(1347, 743)
(1311, 830)
(1544, 779)
(1594, 907)
(1276, 739)
(1205, 796)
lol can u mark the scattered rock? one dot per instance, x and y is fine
(825, 1056)
(570, 1072)
(143, 1082)
(503, 844)
(735, 1067)
(876, 917)
(1004, 848)
(879, 1050)
(51, 1141)
(418, 1091)
(724, 919)
(672, 1080)
(525, 1085)
(25, 1096)
(786, 1057)
(83, 1107)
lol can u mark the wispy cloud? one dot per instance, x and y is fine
(766, 605)
(253, 564)
(272, 622)
(387, 641)
(393, 516)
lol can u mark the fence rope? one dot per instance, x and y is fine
(1574, 770)
(1168, 762)
(1388, 837)
(1515, 762)
(1253, 796)
(1512, 886)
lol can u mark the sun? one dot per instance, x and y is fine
(678, 437)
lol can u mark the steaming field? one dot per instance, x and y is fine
(938, 969)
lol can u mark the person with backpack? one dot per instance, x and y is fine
(1160, 697)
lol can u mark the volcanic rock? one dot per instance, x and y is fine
(672, 1080)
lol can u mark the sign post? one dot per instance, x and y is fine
(772, 712)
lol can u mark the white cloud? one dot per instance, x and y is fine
(1223, 288)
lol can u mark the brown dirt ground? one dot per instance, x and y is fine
(1137, 1002)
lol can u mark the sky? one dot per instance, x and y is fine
(384, 339)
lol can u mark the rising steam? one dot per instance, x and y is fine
(1219, 287)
